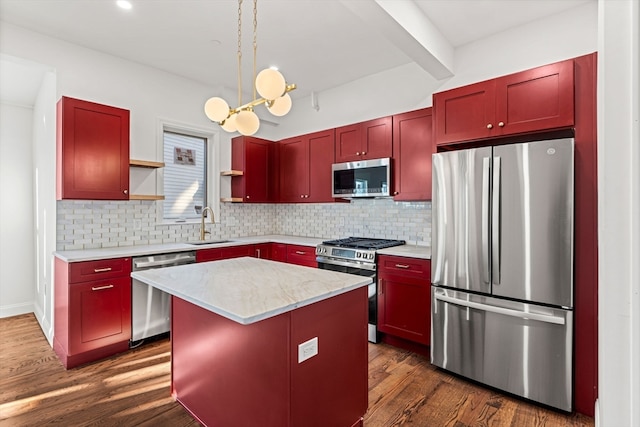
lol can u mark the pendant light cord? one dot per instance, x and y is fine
(255, 44)
(239, 52)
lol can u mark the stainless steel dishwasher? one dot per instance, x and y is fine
(150, 307)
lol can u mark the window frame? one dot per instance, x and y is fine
(212, 172)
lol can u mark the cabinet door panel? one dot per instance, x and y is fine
(294, 169)
(321, 154)
(262, 250)
(412, 150)
(100, 314)
(279, 252)
(377, 138)
(464, 113)
(92, 151)
(537, 99)
(237, 251)
(252, 156)
(348, 143)
(212, 254)
(404, 309)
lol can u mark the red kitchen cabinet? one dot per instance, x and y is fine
(92, 309)
(412, 150)
(364, 141)
(528, 101)
(305, 168)
(227, 252)
(279, 252)
(262, 250)
(301, 255)
(92, 151)
(254, 157)
(404, 298)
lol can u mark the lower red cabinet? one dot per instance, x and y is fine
(92, 309)
(301, 255)
(404, 298)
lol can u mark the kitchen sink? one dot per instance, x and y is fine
(209, 242)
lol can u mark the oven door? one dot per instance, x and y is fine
(344, 267)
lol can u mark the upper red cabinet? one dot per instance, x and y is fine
(363, 141)
(529, 101)
(92, 151)
(412, 150)
(252, 163)
(305, 167)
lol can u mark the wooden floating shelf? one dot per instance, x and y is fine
(231, 173)
(145, 197)
(231, 199)
(146, 164)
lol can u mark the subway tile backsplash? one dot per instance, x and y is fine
(85, 224)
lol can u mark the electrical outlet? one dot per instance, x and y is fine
(307, 349)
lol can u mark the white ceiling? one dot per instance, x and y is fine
(317, 44)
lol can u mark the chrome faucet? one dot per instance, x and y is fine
(203, 231)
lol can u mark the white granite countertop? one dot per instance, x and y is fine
(414, 251)
(248, 290)
(411, 251)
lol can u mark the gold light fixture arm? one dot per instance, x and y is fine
(269, 84)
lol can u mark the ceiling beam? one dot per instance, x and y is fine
(410, 30)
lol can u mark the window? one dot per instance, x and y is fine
(185, 175)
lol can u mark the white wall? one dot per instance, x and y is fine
(17, 248)
(619, 214)
(44, 209)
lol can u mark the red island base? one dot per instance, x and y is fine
(232, 375)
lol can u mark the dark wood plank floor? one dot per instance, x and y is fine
(132, 389)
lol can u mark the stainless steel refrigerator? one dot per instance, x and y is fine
(502, 267)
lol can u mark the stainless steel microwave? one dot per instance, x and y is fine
(366, 178)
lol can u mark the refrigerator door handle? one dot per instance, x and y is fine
(558, 320)
(485, 219)
(496, 225)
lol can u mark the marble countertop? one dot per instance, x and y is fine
(414, 251)
(248, 290)
(411, 251)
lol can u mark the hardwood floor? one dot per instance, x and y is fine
(132, 389)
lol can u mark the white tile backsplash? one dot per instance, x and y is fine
(99, 224)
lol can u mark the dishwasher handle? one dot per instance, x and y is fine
(189, 259)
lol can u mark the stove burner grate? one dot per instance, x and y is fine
(364, 243)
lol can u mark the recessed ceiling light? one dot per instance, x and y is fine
(124, 4)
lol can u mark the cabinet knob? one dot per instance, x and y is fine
(306, 196)
(395, 193)
(363, 153)
(501, 124)
(125, 191)
(357, 153)
(489, 126)
(302, 196)
(248, 197)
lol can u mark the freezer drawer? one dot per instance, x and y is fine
(524, 349)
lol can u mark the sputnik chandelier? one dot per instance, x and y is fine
(269, 84)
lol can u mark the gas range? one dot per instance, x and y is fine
(357, 255)
(354, 251)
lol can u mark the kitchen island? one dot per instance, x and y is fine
(258, 342)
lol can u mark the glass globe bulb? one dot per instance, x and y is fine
(230, 124)
(280, 106)
(270, 84)
(216, 109)
(247, 122)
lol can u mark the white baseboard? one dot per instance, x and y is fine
(16, 309)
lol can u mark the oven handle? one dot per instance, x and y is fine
(363, 266)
